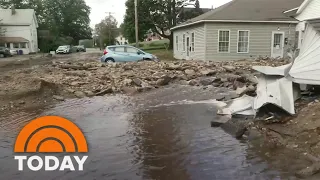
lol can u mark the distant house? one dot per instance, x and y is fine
(20, 29)
(121, 40)
(240, 29)
(151, 36)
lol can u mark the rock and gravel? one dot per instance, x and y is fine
(59, 80)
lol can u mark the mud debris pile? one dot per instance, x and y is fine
(71, 79)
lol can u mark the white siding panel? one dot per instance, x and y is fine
(306, 67)
(199, 45)
(312, 11)
(26, 32)
(19, 31)
(34, 37)
(259, 41)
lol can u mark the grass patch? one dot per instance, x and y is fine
(162, 54)
(153, 45)
(153, 48)
(157, 48)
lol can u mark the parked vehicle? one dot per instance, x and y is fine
(80, 48)
(63, 49)
(4, 52)
(13, 52)
(125, 53)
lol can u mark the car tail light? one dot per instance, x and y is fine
(105, 52)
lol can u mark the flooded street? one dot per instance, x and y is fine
(164, 134)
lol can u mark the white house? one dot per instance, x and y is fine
(20, 27)
(306, 67)
(121, 39)
(240, 29)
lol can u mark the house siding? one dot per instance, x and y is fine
(199, 44)
(33, 36)
(301, 26)
(311, 11)
(18, 31)
(28, 32)
(260, 39)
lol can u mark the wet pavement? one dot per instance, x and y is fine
(163, 135)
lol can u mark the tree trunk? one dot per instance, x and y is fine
(174, 14)
(171, 41)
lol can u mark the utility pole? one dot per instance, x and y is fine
(136, 21)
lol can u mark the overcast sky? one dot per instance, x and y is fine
(100, 8)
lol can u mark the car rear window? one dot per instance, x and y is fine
(111, 48)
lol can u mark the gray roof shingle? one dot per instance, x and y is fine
(249, 10)
(21, 17)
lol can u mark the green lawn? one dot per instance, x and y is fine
(158, 48)
(162, 54)
(151, 45)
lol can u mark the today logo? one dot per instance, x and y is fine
(50, 134)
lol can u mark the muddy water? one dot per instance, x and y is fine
(161, 135)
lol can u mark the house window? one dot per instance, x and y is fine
(224, 40)
(243, 41)
(15, 45)
(177, 43)
(23, 45)
(192, 41)
(184, 42)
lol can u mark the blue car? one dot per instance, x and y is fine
(125, 53)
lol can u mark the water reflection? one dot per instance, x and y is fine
(127, 141)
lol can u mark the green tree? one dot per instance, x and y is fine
(121, 29)
(144, 22)
(107, 30)
(187, 13)
(67, 18)
(159, 15)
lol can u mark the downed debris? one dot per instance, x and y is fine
(241, 105)
(85, 77)
(272, 88)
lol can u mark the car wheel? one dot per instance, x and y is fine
(109, 60)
